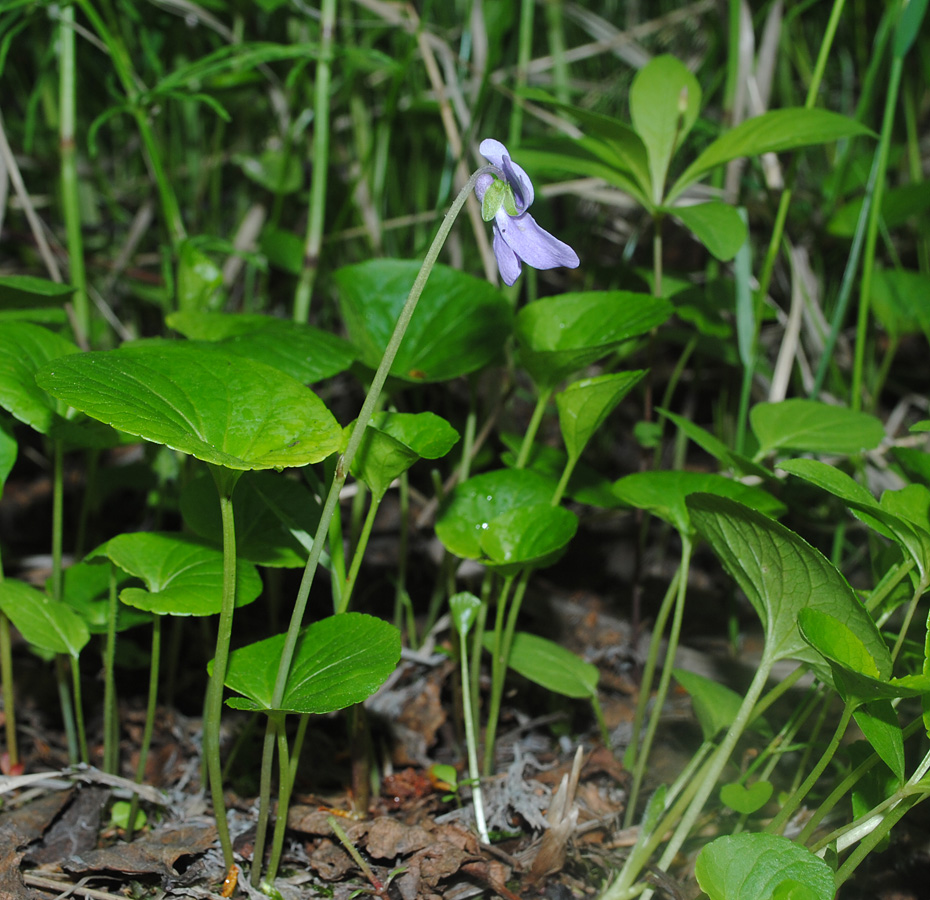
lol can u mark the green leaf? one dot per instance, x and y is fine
(715, 705)
(762, 867)
(28, 291)
(276, 517)
(772, 132)
(225, 410)
(8, 450)
(339, 661)
(898, 205)
(809, 426)
(878, 721)
(550, 665)
(527, 535)
(665, 99)
(561, 335)
(780, 574)
(460, 325)
(24, 349)
(199, 278)
(663, 493)
(380, 459)
(305, 353)
(274, 170)
(428, 435)
(475, 503)
(183, 574)
(41, 621)
(899, 301)
(283, 249)
(718, 226)
(86, 587)
(716, 448)
(584, 405)
(464, 607)
(908, 26)
(746, 800)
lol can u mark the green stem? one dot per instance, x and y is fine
(357, 554)
(225, 484)
(541, 402)
(150, 708)
(9, 701)
(284, 797)
(264, 803)
(471, 743)
(79, 708)
(498, 673)
(666, 676)
(561, 487)
(871, 234)
(69, 175)
(556, 32)
(791, 804)
(320, 160)
(110, 724)
(524, 54)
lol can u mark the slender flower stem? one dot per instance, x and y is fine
(357, 554)
(110, 722)
(345, 461)
(150, 708)
(528, 438)
(471, 742)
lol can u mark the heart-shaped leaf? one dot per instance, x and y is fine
(275, 517)
(665, 99)
(550, 665)
(464, 607)
(428, 435)
(584, 405)
(226, 410)
(809, 426)
(305, 353)
(24, 349)
(40, 620)
(780, 574)
(474, 504)
(528, 534)
(663, 493)
(746, 800)
(339, 661)
(183, 574)
(85, 588)
(561, 335)
(761, 867)
(460, 325)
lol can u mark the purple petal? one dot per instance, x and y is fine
(495, 153)
(482, 184)
(531, 243)
(507, 261)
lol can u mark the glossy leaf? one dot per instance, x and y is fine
(550, 665)
(305, 353)
(8, 450)
(464, 607)
(428, 435)
(85, 588)
(474, 504)
(718, 226)
(808, 426)
(41, 621)
(225, 410)
(380, 459)
(771, 132)
(24, 349)
(780, 574)
(183, 574)
(665, 99)
(275, 517)
(528, 534)
(338, 661)
(561, 335)
(460, 326)
(663, 493)
(584, 405)
(761, 867)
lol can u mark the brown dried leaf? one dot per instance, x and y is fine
(75, 831)
(388, 838)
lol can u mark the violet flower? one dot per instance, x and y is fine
(517, 237)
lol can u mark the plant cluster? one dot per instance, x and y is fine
(258, 373)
